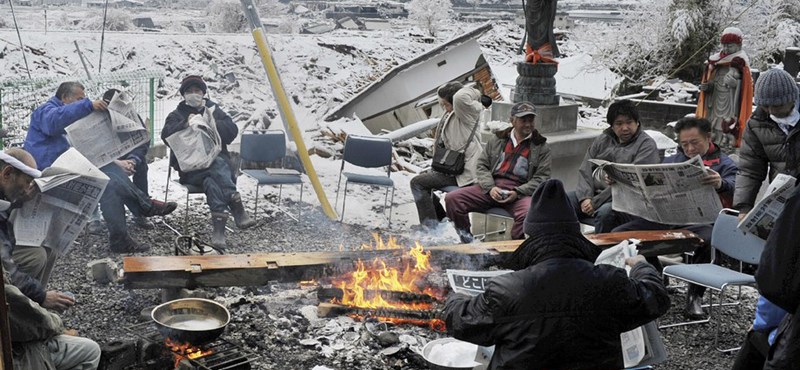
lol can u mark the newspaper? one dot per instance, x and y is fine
(633, 342)
(103, 137)
(69, 191)
(670, 193)
(197, 145)
(761, 219)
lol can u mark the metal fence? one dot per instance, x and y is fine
(19, 98)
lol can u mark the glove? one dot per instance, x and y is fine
(486, 101)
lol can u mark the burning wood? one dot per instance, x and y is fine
(329, 294)
(426, 318)
(183, 351)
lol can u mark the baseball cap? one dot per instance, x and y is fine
(523, 109)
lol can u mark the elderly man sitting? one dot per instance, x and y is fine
(510, 168)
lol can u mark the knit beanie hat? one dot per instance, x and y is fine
(775, 87)
(551, 211)
(190, 81)
(731, 35)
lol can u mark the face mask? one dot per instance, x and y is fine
(789, 120)
(193, 100)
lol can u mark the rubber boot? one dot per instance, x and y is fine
(240, 216)
(218, 221)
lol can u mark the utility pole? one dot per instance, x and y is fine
(284, 107)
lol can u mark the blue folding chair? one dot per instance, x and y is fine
(190, 190)
(728, 239)
(368, 152)
(265, 147)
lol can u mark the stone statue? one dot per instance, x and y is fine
(536, 83)
(539, 18)
(726, 90)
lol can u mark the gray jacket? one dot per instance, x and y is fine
(641, 149)
(538, 163)
(766, 149)
(455, 129)
(31, 326)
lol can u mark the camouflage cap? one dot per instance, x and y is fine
(523, 109)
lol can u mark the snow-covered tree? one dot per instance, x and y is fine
(430, 14)
(227, 16)
(770, 27)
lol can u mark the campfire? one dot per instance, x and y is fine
(394, 289)
(183, 351)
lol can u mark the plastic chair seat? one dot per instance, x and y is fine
(264, 178)
(709, 275)
(499, 212)
(368, 179)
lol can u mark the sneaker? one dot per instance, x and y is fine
(96, 227)
(128, 245)
(159, 208)
(143, 222)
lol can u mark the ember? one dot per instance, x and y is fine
(380, 286)
(183, 351)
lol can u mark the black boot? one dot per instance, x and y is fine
(694, 303)
(240, 216)
(218, 221)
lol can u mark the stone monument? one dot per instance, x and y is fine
(536, 83)
(726, 90)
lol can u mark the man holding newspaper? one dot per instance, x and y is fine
(558, 310)
(694, 137)
(102, 132)
(198, 132)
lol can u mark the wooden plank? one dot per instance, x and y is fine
(259, 268)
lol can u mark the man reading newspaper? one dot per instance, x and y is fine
(694, 137)
(558, 309)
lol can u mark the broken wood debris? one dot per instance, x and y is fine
(326, 309)
(328, 294)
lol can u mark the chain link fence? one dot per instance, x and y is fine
(19, 98)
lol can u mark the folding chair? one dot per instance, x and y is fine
(728, 239)
(496, 212)
(190, 189)
(264, 147)
(368, 152)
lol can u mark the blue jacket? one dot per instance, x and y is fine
(47, 138)
(721, 164)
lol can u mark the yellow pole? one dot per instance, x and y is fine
(283, 105)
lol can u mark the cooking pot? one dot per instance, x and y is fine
(194, 321)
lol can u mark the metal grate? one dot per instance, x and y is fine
(225, 354)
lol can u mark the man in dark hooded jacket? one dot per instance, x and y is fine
(558, 310)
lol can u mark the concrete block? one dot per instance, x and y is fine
(104, 270)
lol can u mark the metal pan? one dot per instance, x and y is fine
(194, 321)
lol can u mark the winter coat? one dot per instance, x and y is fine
(179, 119)
(721, 164)
(539, 161)
(29, 285)
(31, 327)
(765, 147)
(139, 154)
(640, 149)
(561, 312)
(454, 130)
(47, 137)
(778, 280)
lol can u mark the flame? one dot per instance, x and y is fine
(368, 277)
(185, 351)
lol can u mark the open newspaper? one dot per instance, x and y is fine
(197, 145)
(103, 137)
(641, 346)
(669, 193)
(69, 191)
(761, 219)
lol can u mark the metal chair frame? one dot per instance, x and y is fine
(377, 148)
(746, 248)
(275, 150)
(190, 190)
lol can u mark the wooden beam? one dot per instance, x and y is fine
(260, 268)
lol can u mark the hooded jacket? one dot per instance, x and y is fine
(539, 161)
(562, 311)
(766, 150)
(179, 119)
(778, 279)
(640, 149)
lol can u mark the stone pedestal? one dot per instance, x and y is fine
(549, 118)
(536, 84)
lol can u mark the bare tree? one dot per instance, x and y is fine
(430, 14)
